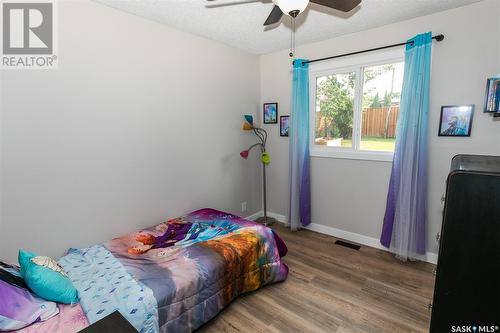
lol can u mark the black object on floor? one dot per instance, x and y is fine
(114, 323)
(349, 245)
(468, 271)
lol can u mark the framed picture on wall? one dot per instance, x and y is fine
(284, 125)
(270, 113)
(492, 98)
(456, 120)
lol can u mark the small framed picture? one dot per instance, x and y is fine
(492, 98)
(456, 120)
(270, 113)
(284, 125)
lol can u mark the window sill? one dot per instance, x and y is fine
(350, 154)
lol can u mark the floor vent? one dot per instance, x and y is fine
(349, 245)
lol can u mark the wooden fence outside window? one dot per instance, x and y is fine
(379, 122)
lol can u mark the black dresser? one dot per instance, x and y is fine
(467, 291)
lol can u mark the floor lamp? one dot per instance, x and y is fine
(264, 158)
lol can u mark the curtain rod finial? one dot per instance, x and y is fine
(439, 38)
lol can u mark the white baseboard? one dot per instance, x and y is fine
(338, 233)
(255, 216)
(280, 218)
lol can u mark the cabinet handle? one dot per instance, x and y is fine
(443, 199)
(429, 306)
(438, 237)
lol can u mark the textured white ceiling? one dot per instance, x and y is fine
(241, 25)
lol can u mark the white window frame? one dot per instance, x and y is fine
(339, 66)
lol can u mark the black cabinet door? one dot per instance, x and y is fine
(467, 291)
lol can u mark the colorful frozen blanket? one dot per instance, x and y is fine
(176, 276)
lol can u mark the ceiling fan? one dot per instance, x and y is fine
(293, 8)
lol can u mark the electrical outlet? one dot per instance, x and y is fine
(243, 206)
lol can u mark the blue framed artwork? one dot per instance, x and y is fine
(456, 120)
(284, 125)
(270, 113)
(492, 98)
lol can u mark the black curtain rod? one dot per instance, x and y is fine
(438, 38)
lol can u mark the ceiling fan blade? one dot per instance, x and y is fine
(342, 5)
(214, 4)
(274, 17)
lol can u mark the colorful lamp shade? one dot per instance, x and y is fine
(249, 119)
(265, 158)
(244, 153)
(247, 127)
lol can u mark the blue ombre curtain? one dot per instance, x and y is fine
(299, 212)
(404, 228)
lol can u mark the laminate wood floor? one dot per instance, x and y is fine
(331, 288)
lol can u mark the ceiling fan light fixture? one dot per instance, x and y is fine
(291, 7)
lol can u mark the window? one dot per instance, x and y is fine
(355, 106)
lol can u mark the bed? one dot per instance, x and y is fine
(172, 277)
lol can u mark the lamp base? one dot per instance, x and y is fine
(267, 222)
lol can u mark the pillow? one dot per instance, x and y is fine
(46, 278)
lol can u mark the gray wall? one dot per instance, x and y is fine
(350, 194)
(139, 123)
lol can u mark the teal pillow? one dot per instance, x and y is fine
(46, 282)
